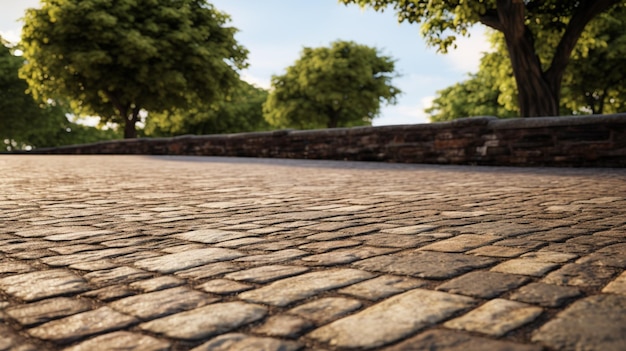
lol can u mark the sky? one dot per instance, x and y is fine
(275, 32)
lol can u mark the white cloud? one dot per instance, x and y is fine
(264, 83)
(466, 57)
(12, 36)
(404, 113)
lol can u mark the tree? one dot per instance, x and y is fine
(338, 86)
(115, 59)
(240, 112)
(594, 81)
(25, 123)
(539, 86)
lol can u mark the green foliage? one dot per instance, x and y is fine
(25, 123)
(240, 112)
(594, 81)
(338, 86)
(115, 58)
(538, 70)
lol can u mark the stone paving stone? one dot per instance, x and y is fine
(274, 257)
(613, 256)
(121, 340)
(118, 275)
(324, 246)
(266, 274)
(162, 303)
(446, 340)
(184, 260)
(617, 286)
(324, 310)
(223, 286)
(521, 243)
(109, 293)
(94, 265)
(409, 230)
(346, 255)
(483, 284)
(546, 295)
(212, 236)
(395, 240)
(288, 290)
(550, 256)
(43, 284)
(381, 287)
(183, 248)
(461, 243)
(284, 325)
(593, 323)
(498, 251)
(410, 312)
(207, 271)
(206, 321)
(82, 257)
(580, 275)
(425, 264)
(496, 317)
(80, 325)
(499, 228)
(46, 310)
(11, 341)
(15, 267)
(156, 284)
(239, 242)
(577, 249)
(75, 236)
(72, 249)
(525, 266)
(238, 341)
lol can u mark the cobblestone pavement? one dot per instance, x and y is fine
(164, 253)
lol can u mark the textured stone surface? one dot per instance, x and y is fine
(187, 259)
(45, 310)
(266, 274)
(446, 340)
(237, 341)
(42, 284)
(617, 286)
(410, 311)
(381, 287)
(461, 243)
(594, 323)
(425, 264)
(121, 340)
(326, 309)
(81, 325)
(580, 275)
(483, 284)
(546, 295)
(525, 266)
(496, 317)
(162, 303)
(206, 321)
(287, 326)
(223, 286)
(286, 291)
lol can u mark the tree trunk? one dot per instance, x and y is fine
(333, 118)
(130, 132)
(536, 95)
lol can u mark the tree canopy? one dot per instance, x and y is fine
(242, 111)
(520, 22)
(338, 86)
(26, 123)
(594, 81)
(115, 59)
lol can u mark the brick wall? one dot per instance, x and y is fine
(579, 141)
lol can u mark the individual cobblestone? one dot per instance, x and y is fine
(223, 286)
(496, 317)
(285, 291)
(187, 259)
(266, 274)
(206, 321)
(381, 287)
(461, 243)
(546, 295)
(326, 309)
(43, 284)
(46, 310)
(580, 275)
(445, 340)
(525, 266)
(594, 323)
(617, 286)
(80, 325)
(237, 341)
(483, 284)
(410, 311)
(122, 340)
(284, 325)
(425, 264)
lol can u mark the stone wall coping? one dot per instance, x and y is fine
(543, 122)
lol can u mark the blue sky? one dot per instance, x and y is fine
(275, 31)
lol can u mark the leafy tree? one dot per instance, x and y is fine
(240, 112)
(338, 86)
(116, 58)
(25, 123)
(594, 81)
(520, 22)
